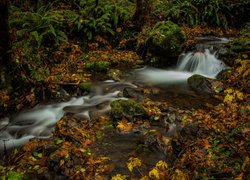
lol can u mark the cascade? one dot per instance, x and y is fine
(204, 63)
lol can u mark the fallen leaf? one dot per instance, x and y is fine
(133, 162)
(124, 125)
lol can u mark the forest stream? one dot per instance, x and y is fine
(170, 86)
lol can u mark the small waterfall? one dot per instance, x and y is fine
(204, 63)
(40, 121)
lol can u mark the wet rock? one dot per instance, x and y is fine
(54, 165)
(189, 131)
(126, 108)
(205, 85)
(50, 148)
(136, 94)
(223, 75)
(200, 84)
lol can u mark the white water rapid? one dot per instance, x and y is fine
(40, 121)
(203, 63)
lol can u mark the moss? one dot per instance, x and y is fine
(86, 86)
(97, 66)
(166, 38)
(126, 108)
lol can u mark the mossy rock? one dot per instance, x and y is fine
(200, 84)
(85, 86)
(223, 75)
(126, 108)
(166, 39)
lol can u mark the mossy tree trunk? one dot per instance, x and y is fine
(4, 41)
(142, 13)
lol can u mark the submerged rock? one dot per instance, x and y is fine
(127, 108)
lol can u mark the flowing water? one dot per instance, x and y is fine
(203, 63)
(40, 121)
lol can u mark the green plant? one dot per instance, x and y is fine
(41, 27)
(97, 65)
(196, 12)
(103, 19)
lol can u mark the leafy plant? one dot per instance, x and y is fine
(103, 19)
(41, 27)
(195, 12)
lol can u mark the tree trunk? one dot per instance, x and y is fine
(142, 13)
(4, 40)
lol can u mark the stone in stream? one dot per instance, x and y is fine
(129, 92)
(204, 85)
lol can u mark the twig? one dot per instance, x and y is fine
(64, 83)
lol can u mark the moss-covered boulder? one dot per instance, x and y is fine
(85, 86)
(126, 108)
(166, 39)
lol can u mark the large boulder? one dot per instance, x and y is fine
(165, 40)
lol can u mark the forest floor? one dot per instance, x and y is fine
(212, 139)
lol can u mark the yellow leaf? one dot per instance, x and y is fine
(166, 141)
(133, 162)
(162, 165)
(229, 91)
(154, 173)
(239, 95)
(144, 178)
(206, 144)
(239, 177)
(228, 98)
(119, 177)
(179, 175)
(119, 29)
(245, 163)
(124, 125)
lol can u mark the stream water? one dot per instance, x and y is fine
(39, 121)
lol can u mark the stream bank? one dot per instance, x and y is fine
(80, 148)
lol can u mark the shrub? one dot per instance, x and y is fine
(103, 19)
(220, 13)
